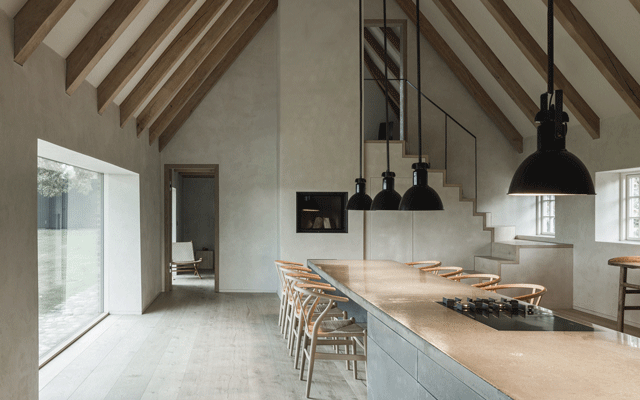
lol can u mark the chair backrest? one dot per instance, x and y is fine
(424, 264)
(534, 297)
(443, 271)
(313, 297)
(182, 251)
(485, 279)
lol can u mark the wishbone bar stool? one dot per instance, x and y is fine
(319, 332)
(288, 265)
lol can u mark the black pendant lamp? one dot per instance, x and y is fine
(551, 170)
(420, 196)
(360, 200)
(388, 198)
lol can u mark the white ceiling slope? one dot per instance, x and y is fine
(616, 21)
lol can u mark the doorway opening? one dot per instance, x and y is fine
(191, 215)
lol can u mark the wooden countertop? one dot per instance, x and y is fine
(524, 365)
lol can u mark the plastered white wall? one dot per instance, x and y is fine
(235, 127)
(34, 105)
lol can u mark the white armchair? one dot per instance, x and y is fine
(182, 258)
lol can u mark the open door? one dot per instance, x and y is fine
(187, 171)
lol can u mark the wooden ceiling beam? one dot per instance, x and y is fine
(140, 51)
(216, 74)
(33, 23)
(538, 59)
(636, 4)
(169, 58)
(99, 40)
(489, 59)
(208, 42)
(598, 52)
(464, 75)
(205, 69)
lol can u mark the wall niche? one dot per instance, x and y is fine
(321, 212)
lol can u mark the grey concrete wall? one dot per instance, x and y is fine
(198, 212)
(236, 127)
(595, 284)
(33, 104)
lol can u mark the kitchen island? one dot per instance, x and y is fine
(419, 349)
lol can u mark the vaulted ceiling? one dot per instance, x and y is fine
(157, 59)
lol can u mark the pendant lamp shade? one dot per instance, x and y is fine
(388, 198)
(360, 200)
(420, 196)
(551, 170)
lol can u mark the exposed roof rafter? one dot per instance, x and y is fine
(140, 51)
(169, 58)
(489, 59)
(538, 59)
(213, 36)
(205, 69)
(32, 24)
(598, 52)
(99, 40)
(464, 75)
(216, 74)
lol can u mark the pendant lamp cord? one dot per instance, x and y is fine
(386, 81)
(419, 82)
(550, 65)
(360, 84)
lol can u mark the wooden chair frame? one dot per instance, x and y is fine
(291, 266)
(533, 298)
(438, 271)
(427, 264)
(312, 321)
(492, 279)
(187, 265)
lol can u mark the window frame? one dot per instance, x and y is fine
(626, 198)
(541, 217)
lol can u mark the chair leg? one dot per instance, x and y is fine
(355, 362)
(622, 291)
(312, 357)
(291, 331)
(196, 271)
(297, 345)
(280, 312)
(304, 355)
(346, 351)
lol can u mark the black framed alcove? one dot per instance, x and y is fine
(321, 212)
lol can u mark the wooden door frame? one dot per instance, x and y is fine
(200, 170)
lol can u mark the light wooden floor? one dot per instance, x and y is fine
(192, 344)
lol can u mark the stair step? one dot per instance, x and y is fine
(503, 233)
(490, 264)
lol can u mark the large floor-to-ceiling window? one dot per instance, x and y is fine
(70, 251)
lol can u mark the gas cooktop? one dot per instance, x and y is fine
(511, 315)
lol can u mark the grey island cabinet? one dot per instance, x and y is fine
(420, 349)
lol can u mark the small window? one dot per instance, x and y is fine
(632, 207)
(546, 215)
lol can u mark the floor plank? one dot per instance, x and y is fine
(193, 343)
(581, 316)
